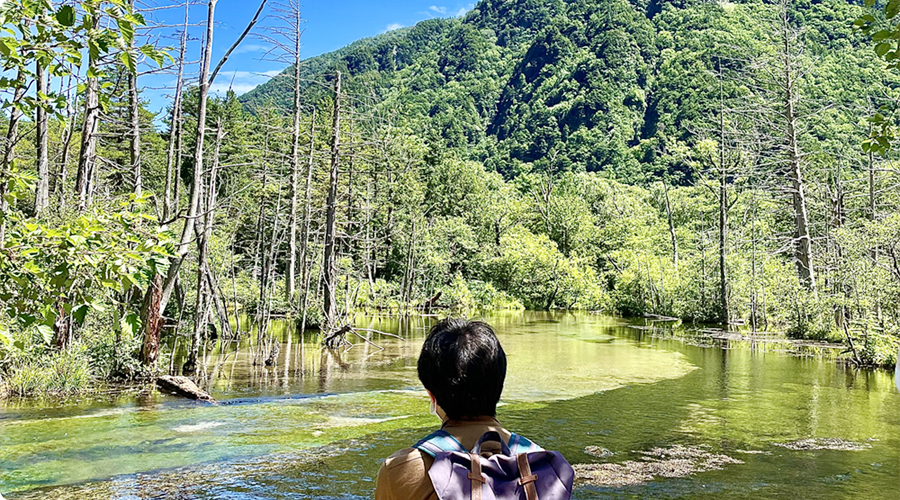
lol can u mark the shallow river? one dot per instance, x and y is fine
(318, 425)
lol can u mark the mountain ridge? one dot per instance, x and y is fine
(525, 85)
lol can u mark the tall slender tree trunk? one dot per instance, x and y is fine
(135, 144)
(9, 153)
(304, 232)
(87, 157)
(134, 112)
(42, 189)
(328, 263)
(669, 218)
(187, 232)
(803, 251)
(723, 247)
(62, 173)
(290, 288)
(172, 162)
(204, 283)
(723, 216)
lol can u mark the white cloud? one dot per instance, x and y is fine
(392, 27)
(241, 82)
(244, 49)
(440, 10)
(463, 10)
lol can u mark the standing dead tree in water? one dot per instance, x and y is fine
(777, 82)
(176, 120)
(190, 220)
(329, 266)
(285, 42)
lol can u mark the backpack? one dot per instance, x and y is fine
(521, 471)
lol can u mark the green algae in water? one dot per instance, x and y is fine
(313, 427)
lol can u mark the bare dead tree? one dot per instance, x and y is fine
(9, 150)
(329, 268)
(134, 115)
(187, 232)
(173, 162)
(42, 122)
(87, 157)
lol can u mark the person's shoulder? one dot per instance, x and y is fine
(404, 475)
(404, 457)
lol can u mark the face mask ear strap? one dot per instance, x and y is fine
(433, 409)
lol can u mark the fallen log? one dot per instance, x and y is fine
(183, 386)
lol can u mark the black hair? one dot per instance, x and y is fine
(463, 365)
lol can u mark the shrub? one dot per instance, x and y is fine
(66, 372)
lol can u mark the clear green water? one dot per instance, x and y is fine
(317, 426)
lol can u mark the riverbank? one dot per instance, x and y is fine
(69, 375)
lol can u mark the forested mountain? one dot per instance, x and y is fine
(594, 85)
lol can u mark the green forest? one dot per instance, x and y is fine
(721, 163)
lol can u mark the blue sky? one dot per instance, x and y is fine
(330, 25)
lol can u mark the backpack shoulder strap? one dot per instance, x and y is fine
(439, 441)
(519, 444)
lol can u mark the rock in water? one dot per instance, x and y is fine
(183, 386)
(598, 452)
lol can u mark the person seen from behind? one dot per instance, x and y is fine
(463, 368)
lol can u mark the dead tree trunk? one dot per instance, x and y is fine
(187, 232)
(87, 157)
(304, 233)
(9, 153)
(328, 263)
(290, 288)
(725, 314)
(134, 112)
(790, 95)
(212, 281)
(669, 218)
(62, 173)
(42, 189)
(172, 162)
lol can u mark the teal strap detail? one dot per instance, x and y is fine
(439, 441)
(519, 444)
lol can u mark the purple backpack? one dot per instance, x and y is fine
(522, 471)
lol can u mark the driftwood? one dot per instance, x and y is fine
(183, 386)
(337, 337)
(657, 317)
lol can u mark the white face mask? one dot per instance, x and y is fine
(433, 409)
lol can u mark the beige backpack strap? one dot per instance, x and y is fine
(475, 476)
(526, 478)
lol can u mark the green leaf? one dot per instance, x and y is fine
(46, 333)
(128, 60)
(126, 29)
(156, 56)
(882, 35)
(130, 324)
(80, 313)
(882, 48)
(66, 16)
